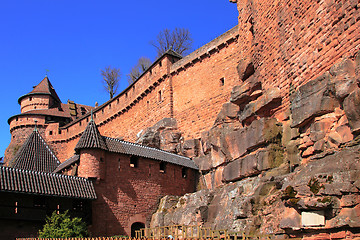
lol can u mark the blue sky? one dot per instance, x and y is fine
(75, 39)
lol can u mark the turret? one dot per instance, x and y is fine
(91, 148)
(43, 96)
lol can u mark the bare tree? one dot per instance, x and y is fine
(179, 40)
(136, 71)
(111, 77)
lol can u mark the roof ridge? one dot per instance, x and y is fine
(147, 147)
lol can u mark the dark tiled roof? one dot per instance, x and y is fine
(35, 155)
(91, 138)
(115, 145)
(67, 163)
(44, 87)
(50, 184)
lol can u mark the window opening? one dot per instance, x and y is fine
(134, 161)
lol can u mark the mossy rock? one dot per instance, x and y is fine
(315, 185)
(276, 155)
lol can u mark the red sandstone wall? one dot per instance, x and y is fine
(199, 92)
(36, 102)
(293, 42)
(127, 195)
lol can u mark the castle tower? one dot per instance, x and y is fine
(91, 148)
(43, 96)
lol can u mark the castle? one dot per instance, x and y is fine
(267, 111)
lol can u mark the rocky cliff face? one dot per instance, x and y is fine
(270, 170)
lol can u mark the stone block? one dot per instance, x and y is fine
(204, 162)
(313, 218)
(191, 147)
(351, 107)
(266, 102)
(291, 219)
(315, 98)
(245, 68)
(228, 113)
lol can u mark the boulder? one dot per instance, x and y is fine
(245, 68)
(315, 98)
(190, 148)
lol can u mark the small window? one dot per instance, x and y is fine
(109, 106)
(50, 132)
(160, 63)
(126, 95)
(101, 159)
(59, 131)
(102, 110)
(134, 161)
(133, 88)
(94, 115)
(222, 81)
(17, 118)
(150, 72)
(162, 167)
(117, 100)
(160, 96)
(79, 123)
(34, 107)
(30, 98)
(184, 172)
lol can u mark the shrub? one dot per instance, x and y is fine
(61, 226)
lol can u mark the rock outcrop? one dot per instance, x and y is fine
(276, 172)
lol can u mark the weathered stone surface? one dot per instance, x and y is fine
(204, 162)
(257, 133)
(291, 219)
(312, 99)
(163, 135)
(347, 217)
(190, 148)
(228, 113)
(253, 164)
(352, 110)
(269, 99)
(343, 77)
(245, 68)
(241, 94)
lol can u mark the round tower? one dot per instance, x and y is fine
(91, 148)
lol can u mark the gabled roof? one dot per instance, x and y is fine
(48, 184)
(35, 155)
(91, 138)
(43, 88)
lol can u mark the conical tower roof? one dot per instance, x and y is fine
(35, 155)
(91, 138)
(43, 88)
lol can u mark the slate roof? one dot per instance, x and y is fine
(67, 163)
(43, 88)
(49, 184)
(35, 155)
(91, 138)
(119, 146)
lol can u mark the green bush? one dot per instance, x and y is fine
(61, 226)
